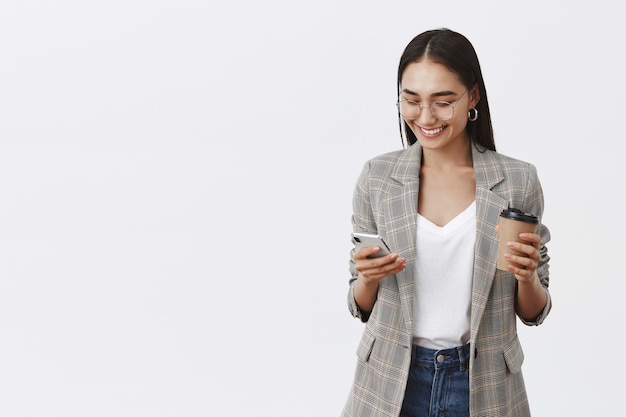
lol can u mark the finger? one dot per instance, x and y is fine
(375, 270)
(364, 264)
(364, 252)
(388, 271)
(522, 262)
(521, 274)
(523, 268)
(528, 249)
(383, 265)
(531, 238)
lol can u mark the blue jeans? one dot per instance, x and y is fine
(438, 384)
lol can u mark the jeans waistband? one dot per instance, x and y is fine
(444, 358)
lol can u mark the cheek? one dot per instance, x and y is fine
(460, 119)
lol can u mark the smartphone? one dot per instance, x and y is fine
(361, 240)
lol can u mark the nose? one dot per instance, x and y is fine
(426, 115)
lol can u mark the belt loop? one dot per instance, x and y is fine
(462, 360)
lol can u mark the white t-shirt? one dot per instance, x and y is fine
(444, 269)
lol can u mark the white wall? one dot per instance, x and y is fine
(176, 180)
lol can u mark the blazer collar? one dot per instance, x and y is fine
(486, 171)
(408, 166)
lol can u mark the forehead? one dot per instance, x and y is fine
(426, 77)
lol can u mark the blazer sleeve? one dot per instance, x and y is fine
(362, 221)
(534, 203)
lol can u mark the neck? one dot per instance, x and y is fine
(453, 156)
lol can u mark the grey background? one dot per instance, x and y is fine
(176, 180)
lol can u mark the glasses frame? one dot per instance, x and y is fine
(430, 107)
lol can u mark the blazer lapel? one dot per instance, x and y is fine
(489, 205)
(401, 222)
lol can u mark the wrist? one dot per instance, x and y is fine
(366, 282)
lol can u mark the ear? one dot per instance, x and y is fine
(474, 96)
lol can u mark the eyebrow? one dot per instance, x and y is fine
(437, 94)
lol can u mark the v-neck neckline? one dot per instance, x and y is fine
(453, 224)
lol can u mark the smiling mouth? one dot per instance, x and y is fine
(431, 132)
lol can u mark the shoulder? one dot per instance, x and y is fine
(516, 169)
(503, 166)
(389, 158)
(502, 159)
(513, 179)
(399, 163)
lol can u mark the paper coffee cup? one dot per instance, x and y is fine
(512, 223)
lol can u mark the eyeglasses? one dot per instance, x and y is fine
(442, 110)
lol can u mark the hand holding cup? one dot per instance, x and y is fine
(514, 222)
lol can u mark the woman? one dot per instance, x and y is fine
(440, 336)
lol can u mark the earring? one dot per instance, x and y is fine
(472, 115)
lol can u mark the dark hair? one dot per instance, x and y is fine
(455, 52)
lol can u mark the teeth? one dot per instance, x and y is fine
(433, 131)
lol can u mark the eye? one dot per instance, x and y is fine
(441, 104)
(411, 102)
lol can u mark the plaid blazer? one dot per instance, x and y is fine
(385, 202)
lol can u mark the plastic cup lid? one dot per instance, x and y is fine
(517, 214)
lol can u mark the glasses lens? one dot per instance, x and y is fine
(409, 109)
(442, 110)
